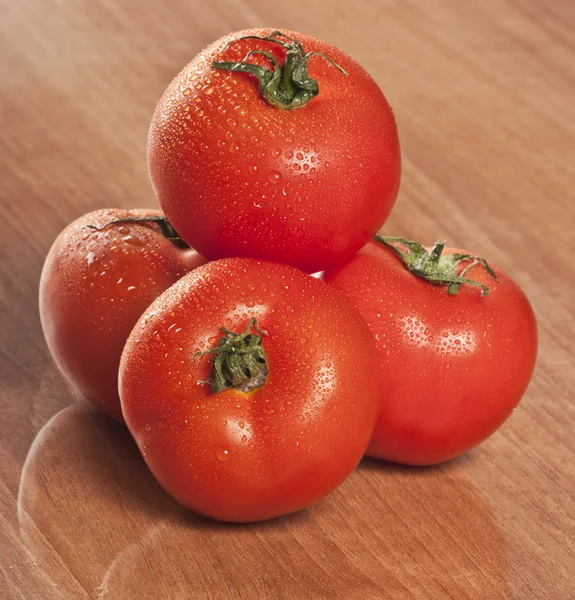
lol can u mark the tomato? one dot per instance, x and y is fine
(263, 417)
(94, 286)
(455, 359)
(237, 175)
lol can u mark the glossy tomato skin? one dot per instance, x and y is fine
(94, 287)
(238, 177)
(238, 456)
(452, 368)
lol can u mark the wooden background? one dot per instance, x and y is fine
(484, 93)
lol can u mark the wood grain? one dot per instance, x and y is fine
(484, 94)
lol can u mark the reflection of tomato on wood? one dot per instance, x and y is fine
(238, 176)
(85, 494)
(237, 454)
(322, 553)
(453, 365)
(97, 280)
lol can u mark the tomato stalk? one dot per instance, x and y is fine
(435, 267)
(287, 86)
(164, 226)
(239, 360)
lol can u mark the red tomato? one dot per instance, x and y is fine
(453, 365)
(239, 455)
(238, 176)
(94, 286)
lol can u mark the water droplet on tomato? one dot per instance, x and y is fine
(244, 439)
(133, 240)
(208, 90)
(147, 427)
(253, 169)
(276, 153)
(124, 288)
(187, 91)
(234, 147)
(92, 266)
(222, 454)
(274, 177)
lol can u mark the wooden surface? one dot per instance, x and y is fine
(484, 94)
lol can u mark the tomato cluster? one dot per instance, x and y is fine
(251, 387)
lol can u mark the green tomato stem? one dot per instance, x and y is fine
(435, 267)
(287, 86)
(238, 361)
(165, 227)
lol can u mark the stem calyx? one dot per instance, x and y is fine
(286, 86)
(435, 267)
(238, 361)
(165, 227)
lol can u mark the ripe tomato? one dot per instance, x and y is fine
(305, 185)
(454, 363)
(95, 284)
(298, 397)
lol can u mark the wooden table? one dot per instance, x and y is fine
(485, 99)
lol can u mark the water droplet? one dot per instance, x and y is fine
(274, 177)
(187, 91)
(92, 267)
(241, 424)
(222, 454)
(148, 427)
(289, 154)
(124, 288)
(208, 90)
(253, 169)
(234, 147)
(276, 153)
(244, 439)
(133, 240)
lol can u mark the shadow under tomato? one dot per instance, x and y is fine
(387, 532)
(368, 462)
(102, 528)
